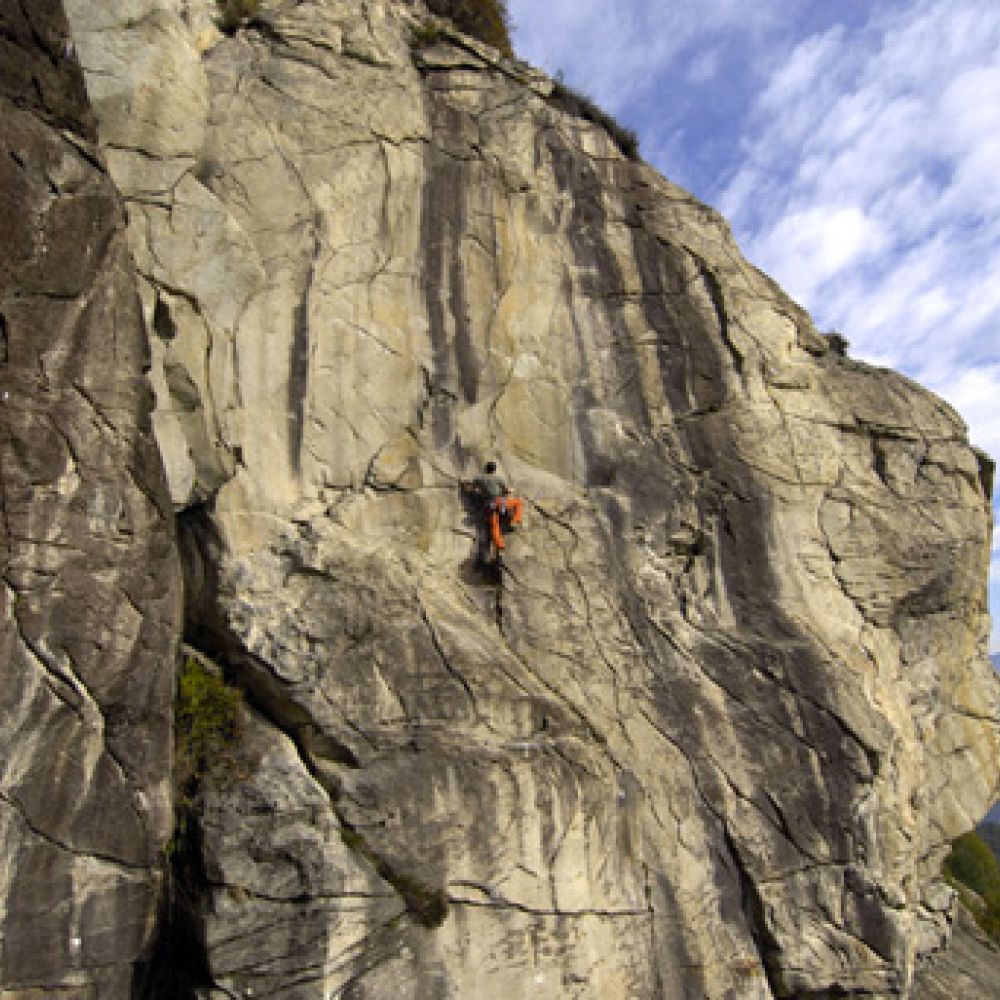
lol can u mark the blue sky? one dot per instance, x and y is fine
(854, 146)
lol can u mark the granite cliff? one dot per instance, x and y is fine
(91, 578)
(709, 732)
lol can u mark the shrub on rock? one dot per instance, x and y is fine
(486, 20)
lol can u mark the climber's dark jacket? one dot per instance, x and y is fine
(497, 502)
(489, 487)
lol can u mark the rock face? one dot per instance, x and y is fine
(709, 731)
(968, 968)
(91, 580)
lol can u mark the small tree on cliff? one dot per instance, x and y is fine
(487, 20)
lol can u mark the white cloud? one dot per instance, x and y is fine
(811, 246)
(617, 52)
(975, 393)
(796, 82)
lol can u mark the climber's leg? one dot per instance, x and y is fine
(495, 533)
(516, 507)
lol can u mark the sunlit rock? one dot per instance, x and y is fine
(710, 730)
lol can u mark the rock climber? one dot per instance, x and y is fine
(499, 504)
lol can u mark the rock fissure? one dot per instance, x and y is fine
(13, 803)
(752, 905)
(600, 741)
(298, 900)
(62, 683)
(786, 725)
(449, 666)
(507, 904)
(426, 904)
(717, 297)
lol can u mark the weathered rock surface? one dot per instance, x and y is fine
(967, 968)
(710, 733)
(91, 580)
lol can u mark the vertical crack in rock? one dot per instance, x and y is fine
(754, 910)
(298, 357)
(717, 296)
(448, 665)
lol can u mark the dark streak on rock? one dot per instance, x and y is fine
(298, 372)
(427, 904)
(442, 226)
(599, 272)
(880, 460)
(584, 398)
(754, 912)
(987, 473)
(465, 351)
(298, 358)
(690, 369)
(714, 288)
(763, 653)
(163, 323)
(50, 87)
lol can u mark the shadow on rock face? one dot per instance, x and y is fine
(477, 572)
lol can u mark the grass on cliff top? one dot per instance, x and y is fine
(581, 106)
(487, 20)
(972, 870)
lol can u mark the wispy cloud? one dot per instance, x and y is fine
(621, 53)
